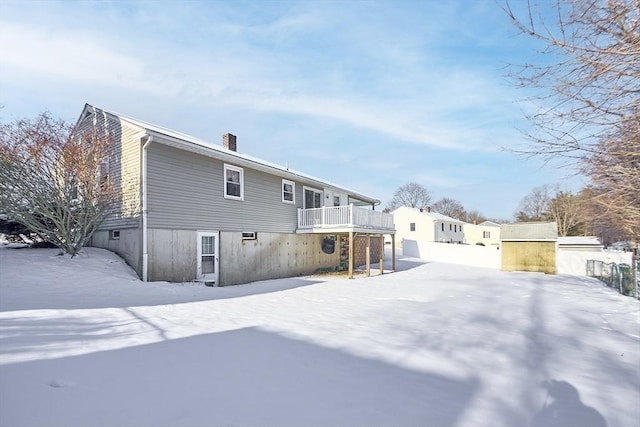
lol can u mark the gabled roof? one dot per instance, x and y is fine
(190, 143)
(433, 215)
(489, 224)
(529, 231)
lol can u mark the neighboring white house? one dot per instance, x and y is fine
(423, 225)
(486, 233)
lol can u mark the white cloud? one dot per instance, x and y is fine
(71, 56)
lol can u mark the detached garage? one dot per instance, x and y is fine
(529, 246)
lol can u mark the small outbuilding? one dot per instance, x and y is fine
(529, 246)
(580, 244)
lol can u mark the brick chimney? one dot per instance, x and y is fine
(229, 141)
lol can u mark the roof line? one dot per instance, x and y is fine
(185, 138)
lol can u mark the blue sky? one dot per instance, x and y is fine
(370, 95)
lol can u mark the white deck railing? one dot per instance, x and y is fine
(344, 216)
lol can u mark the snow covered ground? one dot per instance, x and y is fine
(85, 343)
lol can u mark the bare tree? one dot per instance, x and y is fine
(565, 210)
(615, 175)
(412, 195)
(474, 217)
(586, 98)
(589, 77)
(535, 205)
(54, 180)
(597, 222)
(450, 207)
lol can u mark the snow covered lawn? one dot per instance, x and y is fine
(85, 343)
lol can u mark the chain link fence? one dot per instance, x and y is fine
(623, 277)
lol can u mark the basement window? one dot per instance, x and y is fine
(114, 235)
(249, 235)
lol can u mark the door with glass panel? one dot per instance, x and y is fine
(208, 246)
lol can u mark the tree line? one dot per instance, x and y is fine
(415, 195)
(576, 214)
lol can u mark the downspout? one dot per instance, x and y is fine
(145, 248)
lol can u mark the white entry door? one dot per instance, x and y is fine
(208, 246)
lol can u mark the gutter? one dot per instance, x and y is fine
(145, 247)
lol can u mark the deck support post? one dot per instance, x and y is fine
(393, 252)
(351, 255)
(382, 254)
(368, 255)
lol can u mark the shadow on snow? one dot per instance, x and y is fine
(242, 377)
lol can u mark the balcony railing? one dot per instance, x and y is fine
(344, 217)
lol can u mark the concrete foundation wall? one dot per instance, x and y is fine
(173, 256)
(271, 256)
(127, 246)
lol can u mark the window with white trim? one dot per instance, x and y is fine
(233, 182)
(288, 191)
(312, 198)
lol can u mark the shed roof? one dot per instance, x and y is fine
(579, 241)
(529, 231)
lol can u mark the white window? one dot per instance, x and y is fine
(114, 235)
(312, 198)
(486, 234)
(233, 182)
(336, 200)
(288, 191)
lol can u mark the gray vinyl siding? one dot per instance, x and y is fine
(185, 191)
(129, 170)
(124, 166)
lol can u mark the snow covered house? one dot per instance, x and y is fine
(195, 211)
(424, 225)
(486, 233)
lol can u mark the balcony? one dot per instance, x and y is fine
(341, 219)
